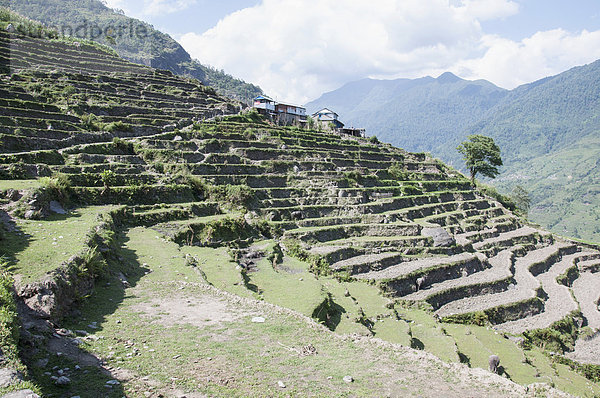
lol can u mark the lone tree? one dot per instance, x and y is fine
(481, 155)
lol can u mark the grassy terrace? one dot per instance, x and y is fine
(37, 247)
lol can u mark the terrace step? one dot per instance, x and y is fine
(519, 300)
(400, 279)
(368, 262)
(511, 238)
(557, 306)
(586, 292)
(494, 279)
(328, 233)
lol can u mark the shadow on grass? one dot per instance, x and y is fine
(109, 293)
(16, 240)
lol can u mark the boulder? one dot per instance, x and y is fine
(56, 207)
(21, 394)
(9, 377)
(441, 238)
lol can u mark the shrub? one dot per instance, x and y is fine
(91, 122)
(118, 126)
(93, 264)
(108, 178)
(57, 186)
(505, 200)
(397, 172)
(9, 323)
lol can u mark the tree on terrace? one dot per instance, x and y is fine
(481, 156)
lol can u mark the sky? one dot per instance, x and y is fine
(296, 50)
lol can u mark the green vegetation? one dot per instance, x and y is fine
(43, 245)
(481, 156)
(132, 39)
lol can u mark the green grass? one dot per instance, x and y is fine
(231, 356)
(523, 367)
(427, 334)
(40, 246)
(290, 285)
(219, 269)
(18, 184)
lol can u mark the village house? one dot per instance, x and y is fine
(281, 113)
(328, 119)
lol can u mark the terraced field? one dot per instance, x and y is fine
(361, 236)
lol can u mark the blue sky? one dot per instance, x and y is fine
(540, 15)
(298, 49)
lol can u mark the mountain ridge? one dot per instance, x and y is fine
(531, 122)
(134, 40)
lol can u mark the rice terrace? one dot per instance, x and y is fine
(159, 238)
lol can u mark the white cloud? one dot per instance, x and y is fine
(508, 63)
(297, 49)
(161, 7)
(489, 9)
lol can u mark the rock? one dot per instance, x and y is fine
(281, 384)
(348, 379)
(258, 319)
(441, 238)
(177, 138)
(56, 207)
(21, 394)
(62, 381)
(10, 28)
(113, 382)
(42, 363)
(9, 377)
(297, 215)
(29, 214)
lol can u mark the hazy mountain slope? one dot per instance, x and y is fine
(134, 40)
(420, 114)
(548, 131)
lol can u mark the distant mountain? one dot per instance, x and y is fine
(548, 131)
(133, 40)
(419, 115)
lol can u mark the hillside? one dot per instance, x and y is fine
(538, 126)
(161, 244)
(421, 115)
(146, 46)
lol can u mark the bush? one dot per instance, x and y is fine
(118, 126)
(108, 178)
(397, 172)
(240, 195)
(9, 324)
(58, 186)
(505, 200)
(90, 122)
